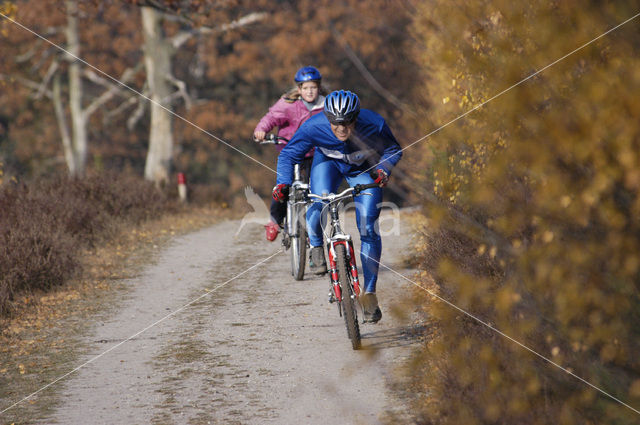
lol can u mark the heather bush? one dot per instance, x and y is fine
(44, 224)
(34, 254)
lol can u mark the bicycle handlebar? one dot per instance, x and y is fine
(360, 187)
(272, 139)
(355, 190)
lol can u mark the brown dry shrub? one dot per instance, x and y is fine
(45, 222)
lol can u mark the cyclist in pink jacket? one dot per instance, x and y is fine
(288, 113)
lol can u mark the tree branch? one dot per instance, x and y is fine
(101, 100)
(27, 83)
(45, 80)
(46, 54)
(139, 111)
(131, 100)
(183, 36)
(245, 20)
(26, 56)
(113, 89)
(182, 90)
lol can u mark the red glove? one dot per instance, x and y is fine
(380, 177)
(280, 192)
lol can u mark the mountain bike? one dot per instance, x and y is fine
(343, 276)
(294, 236)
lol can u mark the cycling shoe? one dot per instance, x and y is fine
(371, 310)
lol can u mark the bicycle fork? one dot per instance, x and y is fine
(336, 294)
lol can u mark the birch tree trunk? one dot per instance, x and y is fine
(78, 118)
(157, 60)
(67, 144)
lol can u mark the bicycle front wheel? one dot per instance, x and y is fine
(348, 304)
(298, 243)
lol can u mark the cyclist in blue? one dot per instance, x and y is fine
(349, 142)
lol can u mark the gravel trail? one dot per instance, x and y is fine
(227, 341)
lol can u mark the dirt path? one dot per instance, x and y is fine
(262, 348)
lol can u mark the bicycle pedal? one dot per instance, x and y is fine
(332, 299)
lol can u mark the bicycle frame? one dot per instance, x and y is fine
(338, 237)
(294, 236)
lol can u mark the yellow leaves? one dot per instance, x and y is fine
(437, 186)
(556, 167)
(445, 100)
(631, 264)
(533, 385)
(518, 405)
(577, 346)
(15, 329)
(492, 251)
(627, 158)
(505, 298)
(493, 412)
(608, 352)
(59, 297)
(634, 389)
(22, 369)
(631, 179)
(495, 18)
(8, 9)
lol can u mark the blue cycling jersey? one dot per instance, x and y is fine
(370, 143)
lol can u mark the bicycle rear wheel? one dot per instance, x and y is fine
(298, 243)
(348, 305)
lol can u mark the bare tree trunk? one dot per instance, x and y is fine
(78, 117)
(157, 59)
(58, 107)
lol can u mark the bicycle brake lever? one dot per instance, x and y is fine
(359, 188)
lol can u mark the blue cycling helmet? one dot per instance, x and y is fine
(341, 107)
(307, 73)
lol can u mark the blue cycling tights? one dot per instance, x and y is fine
(325, 179)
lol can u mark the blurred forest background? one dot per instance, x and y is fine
(224, 64)
(531, 218)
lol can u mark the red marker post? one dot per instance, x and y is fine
(182, 187)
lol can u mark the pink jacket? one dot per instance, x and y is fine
(288, 117)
